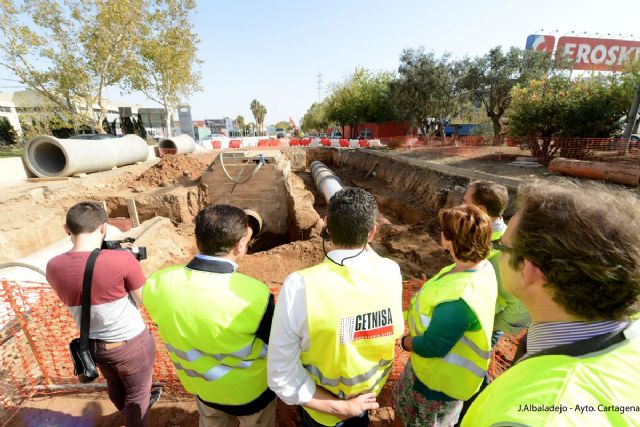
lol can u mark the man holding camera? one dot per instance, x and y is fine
(119, 342)
(215, 323)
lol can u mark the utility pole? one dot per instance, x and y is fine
(319, 87)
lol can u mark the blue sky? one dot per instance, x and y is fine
(272, 50)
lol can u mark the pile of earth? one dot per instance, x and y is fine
(172, 169)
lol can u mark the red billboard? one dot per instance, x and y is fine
(598, 54)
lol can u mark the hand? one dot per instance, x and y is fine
(357, 405)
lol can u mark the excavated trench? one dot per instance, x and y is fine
(283, 193)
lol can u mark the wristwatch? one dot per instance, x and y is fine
(402, 342)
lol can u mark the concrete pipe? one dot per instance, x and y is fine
(182, 144)
(48, 156)
(255, 222)
(621, 174)
(326, 181)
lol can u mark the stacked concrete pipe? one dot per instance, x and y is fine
(182, 144)
(47, 156)
(326, 181)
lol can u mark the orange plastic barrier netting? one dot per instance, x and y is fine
(35, 329)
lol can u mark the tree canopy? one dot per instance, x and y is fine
(426, 92)
(488, 79)
(70, 52)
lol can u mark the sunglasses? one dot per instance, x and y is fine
(502, 248)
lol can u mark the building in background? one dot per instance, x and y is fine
(186, 122)
(8, 110)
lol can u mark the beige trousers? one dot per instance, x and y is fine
(210, 417)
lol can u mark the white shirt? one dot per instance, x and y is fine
(290, 330)
(217, 258)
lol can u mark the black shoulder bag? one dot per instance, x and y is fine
(83, 365)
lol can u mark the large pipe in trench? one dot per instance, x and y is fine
(47, 156)
(183, 144)
(325, 180)
(38, 260)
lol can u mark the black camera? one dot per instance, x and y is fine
(117, 245)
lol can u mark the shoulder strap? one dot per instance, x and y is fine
(85, 316)
(582, 347)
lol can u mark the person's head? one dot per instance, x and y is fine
(490, 196)
(86, 218)
(575, 249)
(222, 230)
(466, 232)
(351, 217)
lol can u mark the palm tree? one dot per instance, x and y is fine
(259, 111)
(255, 110)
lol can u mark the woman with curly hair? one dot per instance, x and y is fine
(450, 324)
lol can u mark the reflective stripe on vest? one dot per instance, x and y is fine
(352, 338)
(193, 354)
(208, 322)
(459, 373)
(592, 390)
(349, 381)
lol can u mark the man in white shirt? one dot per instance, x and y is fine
(333, 335)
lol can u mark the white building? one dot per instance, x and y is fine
(8, 110)
(32, 103)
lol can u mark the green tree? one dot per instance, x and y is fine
(426, 91)
(240, 122)
(489, 79)
(8, 135)
(284, 124)
(558, 106)
(259, 112)
(70, 53)
(166, 57)
(361, 98)
(315, 119)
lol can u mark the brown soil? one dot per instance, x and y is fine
(408, 197)
(173, 169)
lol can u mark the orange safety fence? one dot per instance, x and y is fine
(35, 330)
(544, 148)
(36, 327)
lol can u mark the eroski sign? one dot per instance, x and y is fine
(587, 53)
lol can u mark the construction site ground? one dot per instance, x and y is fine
(409, 185)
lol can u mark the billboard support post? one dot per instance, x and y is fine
(632, 117)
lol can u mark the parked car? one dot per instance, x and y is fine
(92, 136)
(336, 135)
(281, 132)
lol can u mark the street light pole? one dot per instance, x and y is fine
(633, 115)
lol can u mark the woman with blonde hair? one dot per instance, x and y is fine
(450, 323)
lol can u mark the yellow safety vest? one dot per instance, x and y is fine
(597, 389)
(505, 298)
(355, 317)
(208, 323)
(460, 373)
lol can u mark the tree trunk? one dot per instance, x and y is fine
(497, 126)
(169, 122)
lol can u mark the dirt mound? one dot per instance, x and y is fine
(171, 169)
(274, 265)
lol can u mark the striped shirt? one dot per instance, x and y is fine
(542, 336)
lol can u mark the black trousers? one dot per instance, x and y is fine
(361, 420)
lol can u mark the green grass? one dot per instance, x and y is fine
(10, 151)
